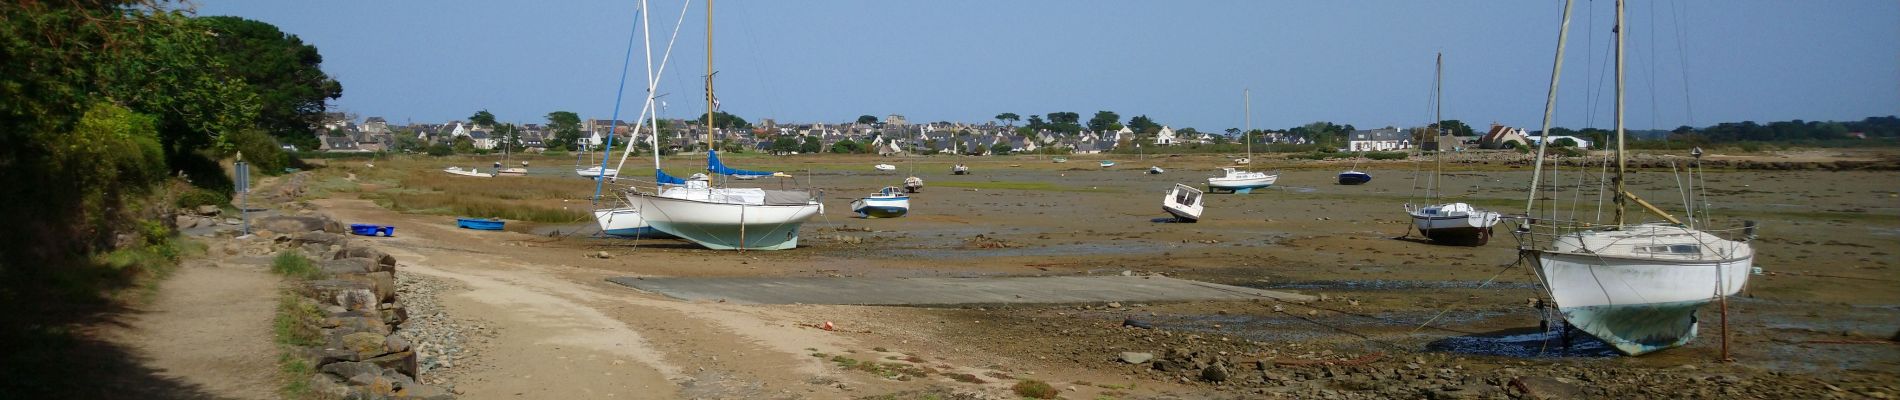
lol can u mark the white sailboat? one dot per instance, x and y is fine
(720, 218)
(1449, 223)
(471, 172)
(1236, 180)
(1636, 286)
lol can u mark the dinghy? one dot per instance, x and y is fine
(596, 172)
(480, 224)
(887, 203)
(913, 184)
(884, 167)
(1107, 163)
(960, 169)
(1183, 202)
(471, 172)
(1156, 170)
(1355, 177)
(1059, 160)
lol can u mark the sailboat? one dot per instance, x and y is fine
(1235, 180)
(1449, 223)
(506, 151)
(1636, 286)
(721, 218)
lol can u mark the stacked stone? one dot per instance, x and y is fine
(363, 356)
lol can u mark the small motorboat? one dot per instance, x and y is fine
(372, 230)
(1156, 170)
(1183, 202)
(510, 171)
(887, 203)
(1238, 181)
(1354, 178)
(1243, 160)
(480, 224)
(1107, 163)
(960, 169)
(885, 167)
(1059, 160)
(471, 172)
(913, 184)
(596, 172)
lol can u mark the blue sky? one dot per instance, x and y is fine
(1184, 64)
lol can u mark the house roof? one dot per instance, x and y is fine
(1381, 134)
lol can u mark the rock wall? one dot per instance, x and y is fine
(362, 354)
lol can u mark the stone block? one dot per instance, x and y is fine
(401, 361)
(347, 266)
(384, 261)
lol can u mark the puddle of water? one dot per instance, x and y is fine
(1536, 344)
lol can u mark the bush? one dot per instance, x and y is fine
(1034, 389)
(440, 150)
(291, 264)
(1386, 155)
(260, 150)
(202, 197)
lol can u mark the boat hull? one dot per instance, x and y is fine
(880, 208)
(595, 172)
(1637, 305)
(1469, 227)
(726, 226)
(625, 222)
(1242, 186)
(1351, 178)
(478, 224)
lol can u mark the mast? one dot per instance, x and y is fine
(1620, 165)
(1438, 124)
(1246, 96)
(710, 112)
(1550, 105)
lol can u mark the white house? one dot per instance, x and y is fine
(1382, 139)
(1165, 137)
(1581, 142)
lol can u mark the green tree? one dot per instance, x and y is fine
(482, 118)
(867, 120)
(1000, 149)
(1009, 117)
(463, 145)
(1143, 125)
(566, 128)
(1105, 121)
(811, 146)
(847, 146)
(441, 149)
(281, 70)
(784, 145)
(726, 121)
(1455, 127)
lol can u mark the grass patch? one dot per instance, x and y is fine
(1011, 185)
(292, 264)
(1034, 389)
(892, 371)
(966, 378)
(293, 368)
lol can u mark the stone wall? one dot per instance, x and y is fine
(362, 354)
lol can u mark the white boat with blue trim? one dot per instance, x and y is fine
(887, 203)
(1235, 180)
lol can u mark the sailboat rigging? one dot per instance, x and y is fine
(1235, 180)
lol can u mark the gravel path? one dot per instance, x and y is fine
(439, 340)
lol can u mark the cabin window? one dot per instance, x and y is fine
(1671, 249)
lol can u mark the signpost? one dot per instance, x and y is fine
(243, 190)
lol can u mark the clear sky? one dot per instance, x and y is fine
(1184, 64)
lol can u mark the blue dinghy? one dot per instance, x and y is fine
(479, 224)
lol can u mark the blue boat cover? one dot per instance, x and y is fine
(713, 164)
(661, 177)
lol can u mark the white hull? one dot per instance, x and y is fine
(467, 172)
(884, 167)
(726, 226)
(512, 171)
(624, 222)
(1638, 288)
(1241, 181)
(1184, 203)
(595, 172)
(1455, 223)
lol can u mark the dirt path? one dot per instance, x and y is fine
(210, 325)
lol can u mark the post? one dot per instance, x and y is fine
(243, 170)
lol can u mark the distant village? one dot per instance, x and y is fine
(894, 135)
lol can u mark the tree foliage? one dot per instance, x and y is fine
(281, 70)
(867, 120)
(1009, 117)
(847, 146)
(482, 118)
(811, 145)
(1105, 121)
(726, 121)
(1143, 125)
(566, 129)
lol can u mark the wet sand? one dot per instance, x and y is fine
(1820, 311)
